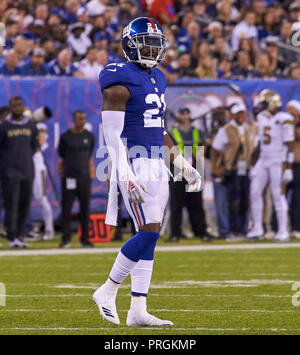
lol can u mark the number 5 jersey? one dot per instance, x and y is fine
(274, 132)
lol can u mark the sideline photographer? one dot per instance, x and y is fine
(230, 163)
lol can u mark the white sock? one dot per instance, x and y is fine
(111, 286)
(138, 304)
(281, 209)
(121, 268)
(47, 214)
(141, 277)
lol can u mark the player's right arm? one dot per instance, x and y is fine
(115, 99)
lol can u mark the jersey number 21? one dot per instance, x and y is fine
(153, 117)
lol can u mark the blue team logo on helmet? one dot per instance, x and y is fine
(143, 42)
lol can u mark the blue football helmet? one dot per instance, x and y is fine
(143, 42)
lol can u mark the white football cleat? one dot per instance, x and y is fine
(282, 236)
(49, 235)
(140, 319)
(296, 234)
(106, 302)
(255, 233)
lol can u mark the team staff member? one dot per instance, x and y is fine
(18, 143)
(187, 136)
(76, 147)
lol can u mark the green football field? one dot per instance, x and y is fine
(225, 291)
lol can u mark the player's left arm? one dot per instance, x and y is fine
(190, 174)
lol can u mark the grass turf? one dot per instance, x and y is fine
(204, 292)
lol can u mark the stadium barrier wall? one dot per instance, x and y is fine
(64, 96)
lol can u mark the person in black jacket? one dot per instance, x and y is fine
(76, 147)
(18, 143)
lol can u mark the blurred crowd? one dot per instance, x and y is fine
(239, 39)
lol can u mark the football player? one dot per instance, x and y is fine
(274, 165)
(133, 107)
(39, 182)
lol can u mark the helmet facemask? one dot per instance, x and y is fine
(150, 48)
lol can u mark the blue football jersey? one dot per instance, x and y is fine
(144, 123)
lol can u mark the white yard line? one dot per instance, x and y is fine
(182, 248)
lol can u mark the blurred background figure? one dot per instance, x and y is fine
(293, 107)
(18, 143)
(76, 147)
(230, 163)
(187, 139)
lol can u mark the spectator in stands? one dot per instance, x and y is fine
(96, 7)
(230, 161)
(76, 147)
(244, 29)
(294, 11)
(36, 66)
(102, 58)
(184, 69)
(185, 136)
(22, 48)
(89, 66)
(59, 35)
(206, 68)
(286, 31)
(263, 67)
(243, 67)
(277, 63)
(10, 67)
(214, 30)
(77, 40)
(162, 11)
(200, 50)
(224, 70)
(70, 12)
(182, 5)
(247, 45)
(62, 66)
(127, 11)
(293, 107)
(220, 48)
(166, 65)
(47, 44)
(294, 71)
(268, 27)
(100, 41)
(54, 20)
(259, 9)
(199, 9)
(41, 12)
(226, 18)
(193, 34)
(170, 36)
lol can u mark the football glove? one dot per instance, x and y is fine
(135, 190)
(287, 176)
(190, 174)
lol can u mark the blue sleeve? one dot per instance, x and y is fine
(115, 74)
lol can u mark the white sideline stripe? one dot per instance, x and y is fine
(152, 295)
(79, 251)
(155, 310)
(257, 330)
